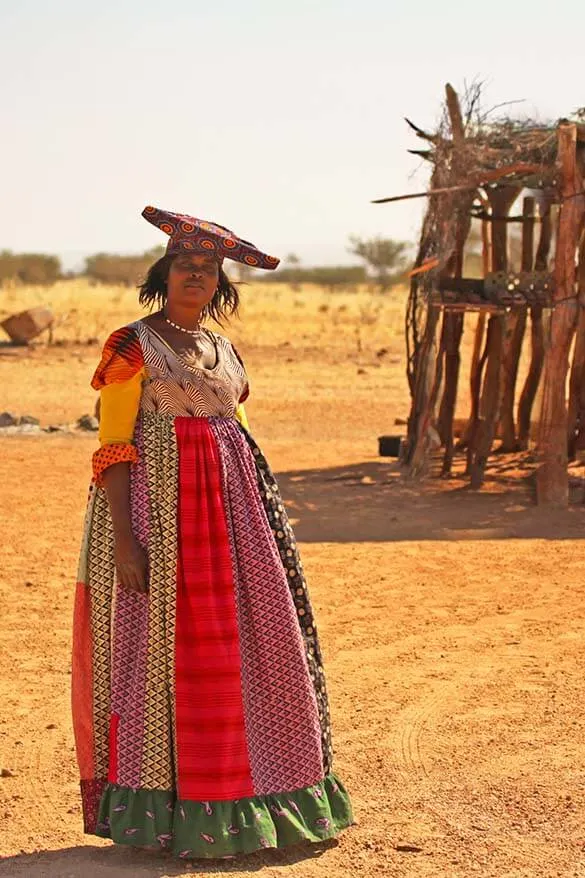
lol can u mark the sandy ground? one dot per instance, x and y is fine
(452, 623)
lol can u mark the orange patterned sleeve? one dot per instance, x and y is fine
(121, 358)
(107, 455)
(118, 378)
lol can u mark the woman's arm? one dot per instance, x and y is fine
(130, 558)
(119, 379)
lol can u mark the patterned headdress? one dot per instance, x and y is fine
(190, 235)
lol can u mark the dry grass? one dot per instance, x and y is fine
(451, 623)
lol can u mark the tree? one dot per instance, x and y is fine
(294, 270)
(385, 257)
(29, 268)
(116, 268)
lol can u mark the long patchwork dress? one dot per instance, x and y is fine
(200, 709)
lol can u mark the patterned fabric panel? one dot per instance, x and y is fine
(121, 358)
(175, 387)
(130, 647)
(282, 721)
(91, 647)
(211, 735)
(291, 560)
(91, 795)
(107, 455)
(101, 574)
(82, 682)
(158, 447)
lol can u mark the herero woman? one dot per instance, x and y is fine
(199, 703)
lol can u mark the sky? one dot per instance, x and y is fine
(280, 119)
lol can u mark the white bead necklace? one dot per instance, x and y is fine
(197, 331)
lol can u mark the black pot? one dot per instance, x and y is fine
(389, 446)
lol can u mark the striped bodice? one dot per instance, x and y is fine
(175, 387)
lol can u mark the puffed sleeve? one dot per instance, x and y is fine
(118, 378)
(246, 391)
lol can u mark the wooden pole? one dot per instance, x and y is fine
(533, 376)
(453, 322)
(576, 413)
(552, 484)
(430, 373)
(477, 359)
(513, 337)
(428, 378)
(501, 201)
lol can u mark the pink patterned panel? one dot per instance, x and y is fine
(282, 721)
(130, 647)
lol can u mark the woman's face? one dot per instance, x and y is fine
(192, 280)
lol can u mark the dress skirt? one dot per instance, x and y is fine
(200, 708)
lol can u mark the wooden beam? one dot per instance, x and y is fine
(552, 484)
(453, 322)
(484, 179)
(513, 338)
(576, 413)
(534, 373)
(501, 202)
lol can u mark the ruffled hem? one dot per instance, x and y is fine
(223, 828)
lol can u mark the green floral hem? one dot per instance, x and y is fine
(223, 828)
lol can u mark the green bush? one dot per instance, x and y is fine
(29, 268)
(112, 268)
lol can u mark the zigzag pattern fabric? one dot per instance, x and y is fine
(200, 709)
(291, 560)
(282, 720)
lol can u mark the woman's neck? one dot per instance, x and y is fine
(185, 317)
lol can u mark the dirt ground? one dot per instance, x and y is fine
(452, 623)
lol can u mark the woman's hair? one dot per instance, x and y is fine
(153, 291)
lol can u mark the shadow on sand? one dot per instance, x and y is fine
(94, 861)
(372, 502)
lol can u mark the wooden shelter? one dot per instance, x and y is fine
(481, 170)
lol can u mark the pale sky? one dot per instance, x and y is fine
(280, 119)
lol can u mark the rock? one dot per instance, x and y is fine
(88, 422)
(52, 726)
(23, 327)
(408, 848)
(20, 430)
(400, 422)
(8, 420)
(362, 372)
(382, 352)
(28, 419)
(5, 772)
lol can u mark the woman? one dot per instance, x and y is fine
(199, 702)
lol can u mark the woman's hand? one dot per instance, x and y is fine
(131, 563)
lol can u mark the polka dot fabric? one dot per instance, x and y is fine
(107, 455)
(188, 235)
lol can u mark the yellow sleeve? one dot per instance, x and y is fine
(119, 404)
(241, 416)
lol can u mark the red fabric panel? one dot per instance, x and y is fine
(82, 682)
(212, 753)
(113, 767)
